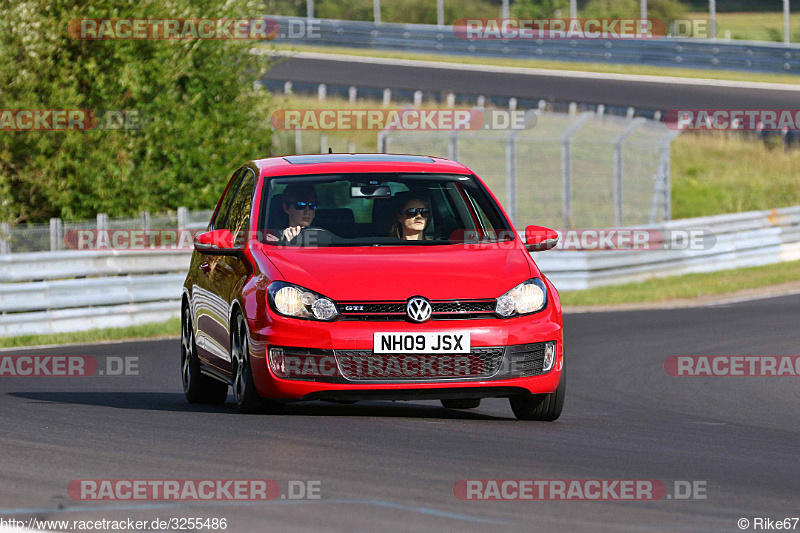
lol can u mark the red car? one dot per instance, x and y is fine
(349, 277)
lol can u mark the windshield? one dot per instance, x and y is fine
(379, 209)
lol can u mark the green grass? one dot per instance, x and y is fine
(170, 328)
(762, 26)
(686, 286)
(643, 70)
(715, 173)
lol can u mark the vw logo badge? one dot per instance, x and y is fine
(419, 309)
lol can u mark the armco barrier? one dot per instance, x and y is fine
(742, 240)
(665, 52)
(39, 292)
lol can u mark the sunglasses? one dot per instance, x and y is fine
(300, 206)
(421, 211)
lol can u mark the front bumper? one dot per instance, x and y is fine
(506, 349)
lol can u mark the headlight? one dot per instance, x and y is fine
(527, 297)
(296, 301)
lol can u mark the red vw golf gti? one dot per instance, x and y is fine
(369, 277)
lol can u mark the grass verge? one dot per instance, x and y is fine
(715, 173)
(687, 286)
(170, 328)
(757, 26)
(610, 68)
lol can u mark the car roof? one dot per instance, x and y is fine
(354, 163)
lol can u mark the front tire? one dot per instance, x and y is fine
(544, 407)
(245, 395)
(197, 387)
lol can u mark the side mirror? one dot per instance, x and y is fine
(539, 239)
(216, 242)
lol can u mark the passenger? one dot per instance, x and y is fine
(410, 220)
(299, 201)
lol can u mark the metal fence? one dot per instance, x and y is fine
(568, 171)
(666, 52)
(52, 237)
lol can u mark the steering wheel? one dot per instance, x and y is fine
(312, 237)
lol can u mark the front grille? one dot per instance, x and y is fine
(526, 359)
(375, 308)
(478, 306)
(363, 365)
(442, 310)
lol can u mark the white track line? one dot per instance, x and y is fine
(668, 80)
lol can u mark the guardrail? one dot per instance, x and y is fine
(742, 240)
(665, 52)
(48, 292)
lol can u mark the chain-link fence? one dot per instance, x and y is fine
(568, 171)
(53, 236)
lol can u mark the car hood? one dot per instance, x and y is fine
(394, 273)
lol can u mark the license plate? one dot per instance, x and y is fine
(421, 342)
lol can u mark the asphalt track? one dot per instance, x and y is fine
(392, 466)
(611, 90)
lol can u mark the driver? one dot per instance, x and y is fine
(299, 201)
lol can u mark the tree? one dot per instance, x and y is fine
(202, 116)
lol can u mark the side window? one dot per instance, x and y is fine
(490, 219)
(225, 204)
(239, 213)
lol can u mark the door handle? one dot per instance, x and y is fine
(205, 267)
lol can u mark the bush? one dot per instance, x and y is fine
(202, 116)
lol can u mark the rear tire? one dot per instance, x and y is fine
(544, 407)
(197, 387)
(245, 395)
(461, 403)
